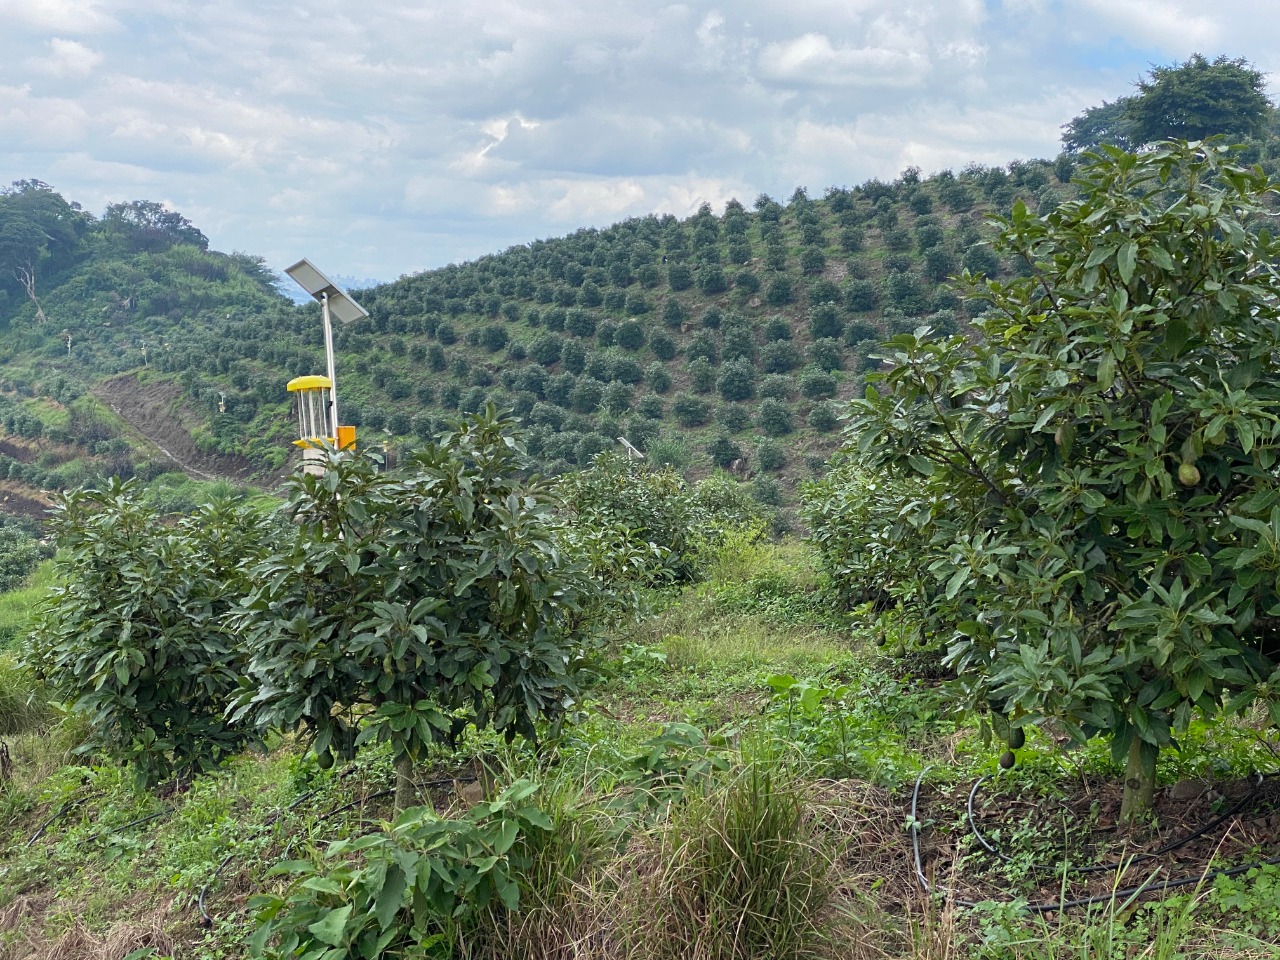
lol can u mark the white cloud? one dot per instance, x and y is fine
(61, 16)
(66, 58)
(1168, 24)
(812, 58)
(406, 133)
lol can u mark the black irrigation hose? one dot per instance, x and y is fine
(1046, 906)
(132, 823)
(206, 920)
(64, 809)
(1212, 825)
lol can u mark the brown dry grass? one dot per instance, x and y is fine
(78, 942)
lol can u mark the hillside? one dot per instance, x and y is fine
(716, 341)
(713, 341)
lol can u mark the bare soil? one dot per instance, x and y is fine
(1081, 826)
(156, 412)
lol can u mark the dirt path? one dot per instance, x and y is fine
(155, 411)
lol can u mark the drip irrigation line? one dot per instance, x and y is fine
(1150, 885)
(64, 809)
(1066, 867)
(132, 823)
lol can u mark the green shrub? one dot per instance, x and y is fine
(723, 451)
(630, 335)
(822, 418)
(136, 634)
(777, 385)
(663, 346)
(737, 380)
(780, 291)
(19, 555)
(657, 377)
(418, 888)
(770, 455)
(690, 411)
(773, 417)
(349, 632)
(776, 328)
(651, 407)
(781, 356)
(825, 354)
(702, 376)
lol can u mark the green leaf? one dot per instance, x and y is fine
(391, 897)
(1126, 260)
(330, 930)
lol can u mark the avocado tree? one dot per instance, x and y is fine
(413, 603)
(1095, 503)
(135, 636)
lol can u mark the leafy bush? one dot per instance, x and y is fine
(776, 328)
(777, 385)
(663, 346)
(651, 408)
(635, 504)
(1137, 393)
(412, 603)
(657, 377)
(702, 376)
(826, 355)
(770, 455)
(737, 380)
(817, 384)
(722, 450)
(781, 356)
(417, 888)
(733, 416)
(135, 634)
(630, 335)
(690, 411)
(822, 418)
(780, 292)
(19, 555)
(773, 417)
(825, 321)
(861, 296)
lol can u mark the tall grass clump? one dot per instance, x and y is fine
(740, 874)
(563, 895)
(22, 706)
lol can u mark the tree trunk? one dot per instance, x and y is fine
(406, 791)
(1139, 782)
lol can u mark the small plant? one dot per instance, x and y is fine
(412, 889)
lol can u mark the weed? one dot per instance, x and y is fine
(740, 874)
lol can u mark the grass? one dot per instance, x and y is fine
(17, 608)
(741, 872)
(736, 788)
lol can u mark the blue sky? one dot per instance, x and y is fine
(387, 137)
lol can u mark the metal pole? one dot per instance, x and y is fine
(328, 355)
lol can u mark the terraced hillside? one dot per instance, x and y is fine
(716, 341)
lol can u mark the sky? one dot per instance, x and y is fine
(392, 136)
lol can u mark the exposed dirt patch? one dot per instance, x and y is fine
(156, 412)
(21, 450)
(1240, 820)
(21, 501)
